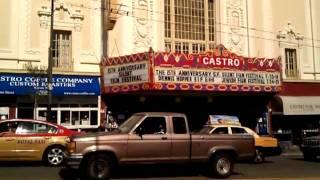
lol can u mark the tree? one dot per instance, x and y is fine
(38, 72)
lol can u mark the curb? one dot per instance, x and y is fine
(292, 154)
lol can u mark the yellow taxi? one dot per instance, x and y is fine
(33, 140)
(222, 124)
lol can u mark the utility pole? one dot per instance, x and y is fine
(48, 117)
(104, 23)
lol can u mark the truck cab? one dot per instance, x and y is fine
(155, 137)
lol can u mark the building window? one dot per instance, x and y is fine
(167, 46)
(191, 22)
(291, 67)
(61, 50)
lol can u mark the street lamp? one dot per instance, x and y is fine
(48, 117)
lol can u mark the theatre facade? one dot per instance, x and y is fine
(215, 82)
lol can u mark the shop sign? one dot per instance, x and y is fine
(130, 73)
(301, 105)
(217, 70)
(212, 61)
(24, 84)
(210, 76)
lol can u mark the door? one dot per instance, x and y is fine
(7, 141)
(154, 144)
(32, 139)
(180, 139)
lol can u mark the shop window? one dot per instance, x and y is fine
(42, 115)
(93, 117)
(25, 113)
(54, 117)
(84, 118)
(75, 118)
(65, 118)
(291, 66)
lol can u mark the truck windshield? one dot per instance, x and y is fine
(130, 123)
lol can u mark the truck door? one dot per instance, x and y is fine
(180, 139)
(153, 143)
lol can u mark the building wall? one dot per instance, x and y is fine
(25, 29)
(24, 38)
(247, 27)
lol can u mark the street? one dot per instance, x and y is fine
(280, 167)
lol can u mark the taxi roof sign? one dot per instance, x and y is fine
(223, 120)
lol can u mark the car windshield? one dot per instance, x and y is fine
(127, 126)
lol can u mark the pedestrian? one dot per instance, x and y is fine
(102, 127)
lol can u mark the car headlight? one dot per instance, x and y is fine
(71, 147)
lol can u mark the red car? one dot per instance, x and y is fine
(33, 140)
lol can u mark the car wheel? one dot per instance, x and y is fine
(54, 156)
(221, 165)
(259, 157)
(98, 167)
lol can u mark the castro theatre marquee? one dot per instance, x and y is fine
(218, 70)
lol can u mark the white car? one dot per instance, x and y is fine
(265, 146)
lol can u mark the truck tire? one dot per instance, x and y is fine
(98, 167)
(221, 165)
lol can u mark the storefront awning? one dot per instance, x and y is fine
(27, 84)
(300, 105)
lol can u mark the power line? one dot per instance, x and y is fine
(128, 14)
(122, 12)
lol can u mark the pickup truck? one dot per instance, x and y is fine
(156, 137)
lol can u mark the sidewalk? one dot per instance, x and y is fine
(292, 150)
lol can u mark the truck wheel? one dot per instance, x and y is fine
(98, 167)
(221, 165)
(54, 156)
(259, 157)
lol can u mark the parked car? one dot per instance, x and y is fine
(310, 147)
(157, 137)
(33, 140)
(264, 146)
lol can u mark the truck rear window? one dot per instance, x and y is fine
(179, 125)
